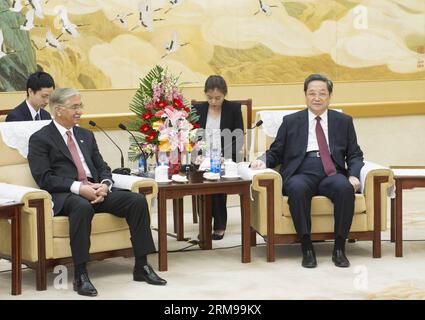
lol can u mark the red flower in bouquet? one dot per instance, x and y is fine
(164, 117)
(145, 128)
(178, 104)
(147, 115)
(161, 103)
(151, 136)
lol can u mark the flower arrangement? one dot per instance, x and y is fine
(165, 120)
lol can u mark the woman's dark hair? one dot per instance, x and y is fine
(40, 80)
(216, 82)
(318, 77)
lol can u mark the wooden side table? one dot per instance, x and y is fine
(12, 211)
(405, 178)
(200, 187)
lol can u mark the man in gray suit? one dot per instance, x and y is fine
(65, 161)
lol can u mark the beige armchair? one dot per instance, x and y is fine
(271, 217)
(3, 114)
(45, 239)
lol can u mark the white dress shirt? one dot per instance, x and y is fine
(312, 144)
(213, 134)
(75, 187)
(32, 110)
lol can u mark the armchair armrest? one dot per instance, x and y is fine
(370, 170)
(372, 177)
(37, 218)
(266, 199)
(134, 183)
(20, 193)
(147, 186)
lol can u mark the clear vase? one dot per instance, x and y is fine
(143, 172)
(175, 162)
(152, 164)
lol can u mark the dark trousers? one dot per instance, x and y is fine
(124, 204)
(219, 211)
(310, 180)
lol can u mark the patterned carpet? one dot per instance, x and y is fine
(219, 274)
(408, 291)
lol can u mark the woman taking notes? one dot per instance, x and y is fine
(222, 121)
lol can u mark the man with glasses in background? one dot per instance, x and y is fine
(65, 161)
(40, 86)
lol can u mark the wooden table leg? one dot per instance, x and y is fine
(245, 226)
(253, 237)
(200, 204)
(393, 224)
(175, 216)
(16, 252)
(205, 228)
(41, 272)
(195, 209)
(399, 219)
(178, 218)
(162, 232)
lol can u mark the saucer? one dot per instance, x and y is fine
(211, 176)
(163, 181)
(231, 177)
(179, 178)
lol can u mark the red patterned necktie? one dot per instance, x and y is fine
(327, 162)
(77, 161)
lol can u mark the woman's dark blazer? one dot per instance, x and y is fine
(231, 118)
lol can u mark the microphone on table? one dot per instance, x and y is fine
(259, 123)
(122, 170)
(123, 127)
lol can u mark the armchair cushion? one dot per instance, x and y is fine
(322, 206)
(102, 223)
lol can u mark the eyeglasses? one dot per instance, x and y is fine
(74, 107)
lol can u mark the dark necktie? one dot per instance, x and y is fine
(77, 161)
(37, 117)
(327, 162)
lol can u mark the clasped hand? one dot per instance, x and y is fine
(94, 192)
(257, 164)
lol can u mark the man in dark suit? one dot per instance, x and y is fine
(318, 154)
(39, 87)
(65, 161)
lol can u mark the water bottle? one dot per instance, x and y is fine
(141, 165)
(215, 160)
(162, 158)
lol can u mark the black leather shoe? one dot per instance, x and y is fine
(83, 286)
(216, 236)
(309, 259)
(339, 258)
(147, 274)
